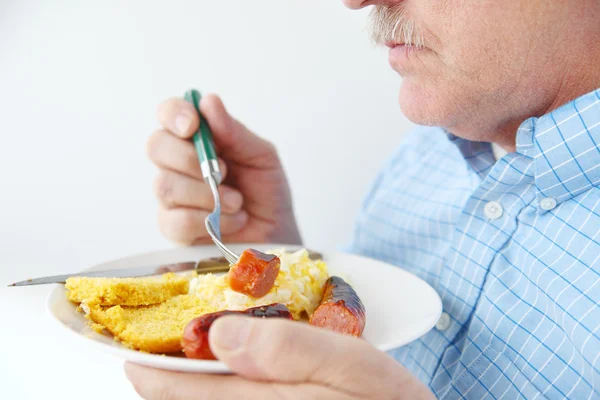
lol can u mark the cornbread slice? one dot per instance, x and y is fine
(154, 329)
(125, 291)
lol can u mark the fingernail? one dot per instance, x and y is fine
(182, 123)
(231, 333)
(232, 200)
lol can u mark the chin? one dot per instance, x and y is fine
(423, 106)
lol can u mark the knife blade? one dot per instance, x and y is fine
(204, 266)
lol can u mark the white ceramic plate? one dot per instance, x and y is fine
(399, 306)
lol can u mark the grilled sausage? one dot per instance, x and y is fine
(340, 310)
(254, 274)
(195, 336)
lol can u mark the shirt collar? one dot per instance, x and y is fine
(565, 147)
(563, 144)
(479, 155)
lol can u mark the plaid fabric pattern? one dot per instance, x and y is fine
(512, 246)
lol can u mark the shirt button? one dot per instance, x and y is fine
(493, 210)
(548, 203)
(444, 322)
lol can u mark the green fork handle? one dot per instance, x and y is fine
(203, 142)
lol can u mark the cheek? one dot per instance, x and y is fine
(483, 44)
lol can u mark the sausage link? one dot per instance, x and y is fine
(195, 336)
(340, 310)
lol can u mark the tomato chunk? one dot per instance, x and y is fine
(254, 274)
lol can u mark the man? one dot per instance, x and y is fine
(510, 241)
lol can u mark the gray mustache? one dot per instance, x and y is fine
(391, 24)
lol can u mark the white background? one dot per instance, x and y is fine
(79, 85)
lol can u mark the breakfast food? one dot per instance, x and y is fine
(125, 291)
(195, 336)
(171, 313)
(154, 329)
(298, 286)
(254, 274)
(340, 310)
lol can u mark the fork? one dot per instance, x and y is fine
(209, 164)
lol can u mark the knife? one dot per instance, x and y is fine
(204, 266)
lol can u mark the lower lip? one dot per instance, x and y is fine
(402, 53)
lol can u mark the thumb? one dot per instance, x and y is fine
(234, 141)
(292, 352)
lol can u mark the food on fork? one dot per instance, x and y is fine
(195, 336)
(340, 310)
(254, 274)
(125, 291)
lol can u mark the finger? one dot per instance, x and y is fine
(234, 140)
(178, 116)
(170, 152)
(287, 351)
(152, 383)
(174, 189)
(186, 225)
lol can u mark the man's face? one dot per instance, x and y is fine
(483, 64)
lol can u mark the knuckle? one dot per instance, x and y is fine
(268, 344)
(166, 392)
(284, 335)
(165, 109)
(170, 226)
(153, 145)
(269, 233)
(231, 224)
(271, 147)
(191, 160)
(164, 224)
(223, 167)
(163, 188)
(154, 390)
(269, 155)
(185, 227)
(203, 239)
(138, 387)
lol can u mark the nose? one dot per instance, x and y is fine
(358, 4)
(355, 4)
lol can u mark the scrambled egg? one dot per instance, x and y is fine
(299, 286)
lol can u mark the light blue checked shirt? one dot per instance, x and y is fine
(511, 246)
